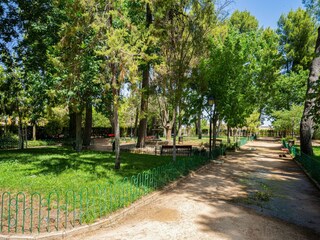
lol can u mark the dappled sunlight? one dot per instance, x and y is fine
(259, 180)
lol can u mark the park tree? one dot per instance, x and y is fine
(119, 45)
(266, 66)
(181, 28)
(244, 21)
(311, 106)
(76, 64)
(253, 122)
(287, 121)
(228, 72)
(297, 31)
(144, 24)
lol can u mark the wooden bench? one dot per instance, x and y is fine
(181, 150)
(150, 138)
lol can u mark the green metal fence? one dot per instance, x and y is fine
(311, 165)
(28, 213)
(244, 141)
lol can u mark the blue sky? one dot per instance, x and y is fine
(267, 12)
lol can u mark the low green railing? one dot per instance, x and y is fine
(244, 141)
(28, 213)
(311, 165)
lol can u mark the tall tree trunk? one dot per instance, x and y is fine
(168, 133)
(214, 131)
(145, 91)
(116, 125)
(199, 126)
(34, 131)
(88, 124)
(20, 132)
(307, 121)
(174, 153)
(136, 122)
(78, 140)
(72, 124)
(228, 134)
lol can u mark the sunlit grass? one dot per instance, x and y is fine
(316, 152)
(47, 169)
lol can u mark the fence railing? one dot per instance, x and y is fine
(311, 165)
(244, 141)
(28, 213)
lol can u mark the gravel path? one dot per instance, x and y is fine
(254, 194)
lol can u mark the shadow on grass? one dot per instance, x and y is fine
(57, 160)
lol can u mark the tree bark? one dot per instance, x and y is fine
(34, 131)
(88, 124)
(72, 124)
(78, 140)
(199, 130)
(307, 121)
(20, 132)
(116, 125)
(168, 133)
(214, 131)
(145, 92)
(136, 122)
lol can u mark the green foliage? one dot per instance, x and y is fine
(99, 120)
(9, 140)
(253, 122)
(41, 143)
(297, 32)
(290, 88)
(226, 71)
(244, 21)
(287, 120)
(313, 7)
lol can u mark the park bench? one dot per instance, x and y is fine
(181, 150)
(151, 138)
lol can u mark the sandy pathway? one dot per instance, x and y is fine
(254, 194)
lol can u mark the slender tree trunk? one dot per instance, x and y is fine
(228, 134)
(174, 154)
(199, 126)
(136, 122)
(78, 140)
(34, 131)
(20, 132)
(307, 121)
(145, 91)
(116, 129)
(72, 124)
(168, 133)
(214, 131)
(26, 135)
(88, 124)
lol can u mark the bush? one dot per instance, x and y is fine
(54, 127)
(9, 140)
(38, 143)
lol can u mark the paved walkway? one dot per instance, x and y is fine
(254, 194)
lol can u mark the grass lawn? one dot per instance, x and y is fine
(316, 151)
(55, 168)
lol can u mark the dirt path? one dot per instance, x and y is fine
(254, 194)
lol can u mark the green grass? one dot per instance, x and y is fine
(316, 151)
(55, 168)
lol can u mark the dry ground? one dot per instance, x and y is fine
(254, 194)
